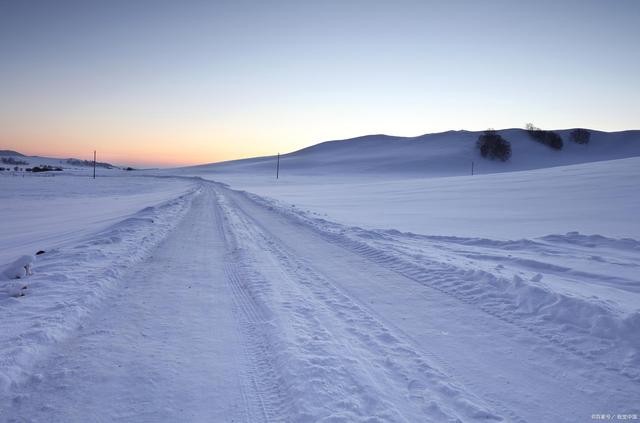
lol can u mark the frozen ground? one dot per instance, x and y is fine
(356, 298)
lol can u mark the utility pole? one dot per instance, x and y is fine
(472, 168)
(94, 164)
(278, 167)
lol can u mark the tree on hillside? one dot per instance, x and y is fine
(493, 146)
(580, 136)
(550, 138)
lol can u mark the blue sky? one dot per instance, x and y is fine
(198, 81)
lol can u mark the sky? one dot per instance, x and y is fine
(163, 83)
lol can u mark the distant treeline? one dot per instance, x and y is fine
(76, 162)
(12, 161)
(35, 169)
(493, 146)
(550, 138)
(44, 168)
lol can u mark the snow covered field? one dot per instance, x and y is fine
(592, 198)
(48, 210)
(423, 184)
(372, 282)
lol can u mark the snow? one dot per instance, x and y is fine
(585, 287)
(152, 348)
(14, 288)
(593, 198)
(432, 155)
(19, 269)
(40, 212)
(85, 252)
(68, 165)
(375, 281)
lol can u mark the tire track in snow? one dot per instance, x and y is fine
(441, 276)
(446, 279)
(585, 373)
(395, 361)
(164, 346)
(264, 393)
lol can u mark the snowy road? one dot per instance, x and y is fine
(244, 314)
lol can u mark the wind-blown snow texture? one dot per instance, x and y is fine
(512, 296)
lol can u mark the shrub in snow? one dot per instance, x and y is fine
(89, 163)
(44, 168)
(580, 136)
(493, 146)
(550, 138)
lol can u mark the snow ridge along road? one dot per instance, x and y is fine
(70, 281)
(245, 312)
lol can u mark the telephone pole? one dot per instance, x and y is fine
(278, 167)
(472, 168)
(94, 164)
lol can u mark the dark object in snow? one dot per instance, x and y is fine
(44, 168)
(550, 138)
(580, 136)
(12, 161)
(16, 289)
(89, 163)
(493, 146)
(40, 252)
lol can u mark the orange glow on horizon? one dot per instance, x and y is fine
(134, 157)
(150, 150)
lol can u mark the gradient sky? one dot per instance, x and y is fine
(152, 82)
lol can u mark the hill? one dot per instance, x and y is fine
(440, 154)
(10, 153)
(423, 184)
(10, 159)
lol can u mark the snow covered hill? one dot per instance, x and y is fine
(441, 154)
(10, 159)
(423, 185)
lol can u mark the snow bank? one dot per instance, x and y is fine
(68, 282)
